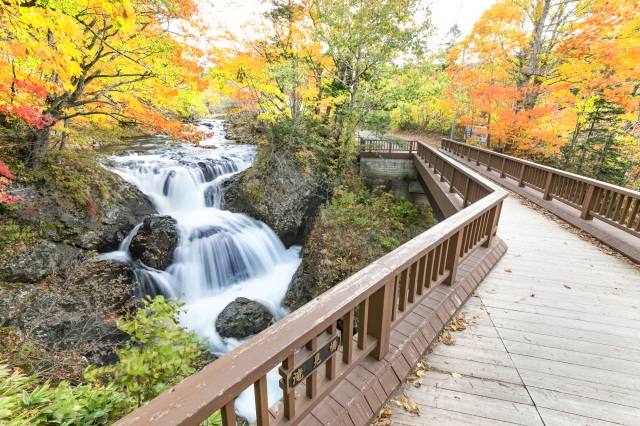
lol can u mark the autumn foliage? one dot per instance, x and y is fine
(124, 62)
(556, 81)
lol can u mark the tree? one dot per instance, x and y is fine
(78, 58)
(361, 37)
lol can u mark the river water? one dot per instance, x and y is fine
(220, 255)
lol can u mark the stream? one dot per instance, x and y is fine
(221, 255)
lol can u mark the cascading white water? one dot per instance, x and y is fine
(221, 255)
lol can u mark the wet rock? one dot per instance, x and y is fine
(33, 262)
(99, 226)
(243, 318)
(301, 290)
(285, 200)
(156, 242)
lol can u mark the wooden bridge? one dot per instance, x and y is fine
(551, 336)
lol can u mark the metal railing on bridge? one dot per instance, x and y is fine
(313, 356)
(614, 205)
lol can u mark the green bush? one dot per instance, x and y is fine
(159, 355)
(357, 227)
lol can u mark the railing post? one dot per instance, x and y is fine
(453, 177)
(494, 214)
(379, 319)
(489, 163)
(548, 185)
(453, 257)
(521, 177)
(589, 202)
(504, 161)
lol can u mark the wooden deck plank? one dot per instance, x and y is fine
(464, 403)
(554, 417)
(574, 404)
(599, 391)
(563, 356)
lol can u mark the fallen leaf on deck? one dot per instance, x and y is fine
(410, 405)
(457, 376)
(420, 373)
(398, 403)
(567, 286)
(417, 384)
(386, 413)
(382, 422)
(508, 270)
(447, 339)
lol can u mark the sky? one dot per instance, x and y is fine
(445, 13)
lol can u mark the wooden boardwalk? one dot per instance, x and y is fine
(553, 338)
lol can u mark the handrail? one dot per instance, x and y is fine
(383, 145)
(614, 205)
(383, 293)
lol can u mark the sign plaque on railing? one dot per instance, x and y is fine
(300, 372)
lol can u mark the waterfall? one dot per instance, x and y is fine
(220, 255)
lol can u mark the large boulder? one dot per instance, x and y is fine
(286, 200)
(243, 318)
(31, 263)
(155, 242)
(100, 226)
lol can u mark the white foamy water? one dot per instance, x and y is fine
(221, 255)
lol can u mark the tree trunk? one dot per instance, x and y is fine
(38, 143)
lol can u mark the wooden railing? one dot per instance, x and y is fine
(614, 205)
(383, 145)
(307, 345)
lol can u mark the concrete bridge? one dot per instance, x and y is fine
(550, 337)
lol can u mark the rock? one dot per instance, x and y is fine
(243, 318)
(33, 262)
(301, 290)
(74, 315)
(155, 242)
(100, 228)
(286, 200)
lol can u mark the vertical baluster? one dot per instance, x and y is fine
(262, 403)
(228, 414)
(429, 269)
(332, 363)
(443, 257)
(451, 184)
(619, 209)
(436, 263)
(625, 210)
(612, 203)
(403, 291)
(312, 379)
(394, 308)
(347, 337)
(289, 399)
(421, 274)
(413, 276)
(363, 324)
(634, 212)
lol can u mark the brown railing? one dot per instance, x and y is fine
(307, 345)
(614, 205)
(382, 145)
